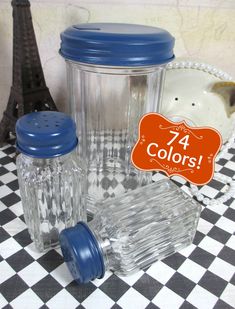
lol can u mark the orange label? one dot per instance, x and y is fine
(176, 148)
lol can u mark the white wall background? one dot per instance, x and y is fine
(204, 29)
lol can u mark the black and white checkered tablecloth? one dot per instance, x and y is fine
(200, 276)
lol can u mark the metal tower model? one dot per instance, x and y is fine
(29, 91)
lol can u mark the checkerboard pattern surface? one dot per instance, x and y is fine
(200, 276)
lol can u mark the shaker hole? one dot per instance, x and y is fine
(176, 99)
(79, 28)
(193, 104)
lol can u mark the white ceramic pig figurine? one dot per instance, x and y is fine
(200, 98)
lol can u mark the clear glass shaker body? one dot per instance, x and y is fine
(52, 193)
(133, 231)
(107, 104)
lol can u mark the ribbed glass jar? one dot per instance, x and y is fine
(52, 196)
(132, 231)
(115, 75)
(51, 176)
(107, 104)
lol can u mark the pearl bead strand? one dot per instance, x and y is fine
(229, 181)
(199, 66)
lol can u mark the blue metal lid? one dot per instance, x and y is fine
(117, 44)
(46, 134)
(82, 253)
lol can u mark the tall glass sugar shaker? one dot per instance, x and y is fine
(50, 175)
(131, 231)
(115, 75)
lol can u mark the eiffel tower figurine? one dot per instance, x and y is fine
(29, 91)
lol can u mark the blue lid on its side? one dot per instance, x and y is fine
(82, 253)
(116, 44)
(45, 134)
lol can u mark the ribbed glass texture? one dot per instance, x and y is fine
(107, 104)
(52, 193)
(143, 226)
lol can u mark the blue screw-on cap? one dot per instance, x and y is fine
(117, 44)
(46, 134)
(82, 253)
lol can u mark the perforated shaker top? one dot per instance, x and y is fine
(46, 134)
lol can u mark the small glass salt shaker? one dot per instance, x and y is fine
(131, 231)
(51, 177)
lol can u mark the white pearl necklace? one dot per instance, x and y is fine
(187, 64)
(229, 181)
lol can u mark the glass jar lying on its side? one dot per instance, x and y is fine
(131, 231)
(51, 178)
